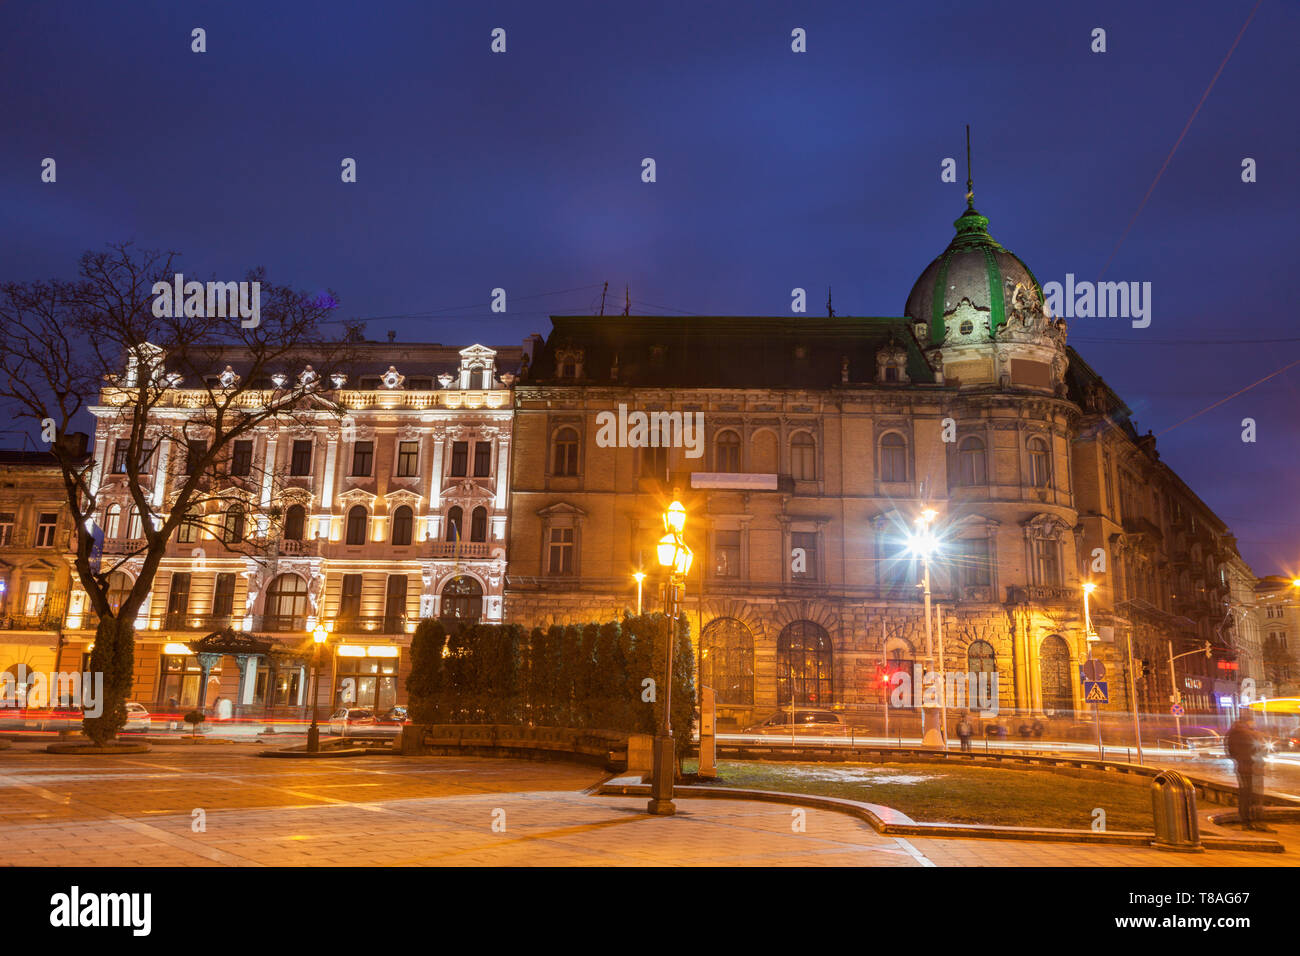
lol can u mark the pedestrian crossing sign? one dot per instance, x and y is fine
(1096, 691)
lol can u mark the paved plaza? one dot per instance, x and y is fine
(385, 810)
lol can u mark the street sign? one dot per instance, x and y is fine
(1177, 710)
(1092, 670)
(1096, 692)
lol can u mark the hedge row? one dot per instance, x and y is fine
(586, 676)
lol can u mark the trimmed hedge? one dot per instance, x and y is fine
(583, 676)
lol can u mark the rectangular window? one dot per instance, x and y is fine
(223, 598)
(350, 600)
(459, 459)
(45, 526)
(7, 528)
(395, 605)
(120, 449)
(1049, 567)
(408, 459)
(194, 452)
(37, 591)
(178, 599)
(803, 555)
(147, 449)
(241, 460)
(482, 459)
(654, 462)
(1110, 483)
(560, 558)
(363, 454)
(974, 567)
(300, 463)
(727, 554)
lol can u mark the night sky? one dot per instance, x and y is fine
(775, 169)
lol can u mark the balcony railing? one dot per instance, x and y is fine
(465, 549)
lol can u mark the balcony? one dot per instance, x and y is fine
(124, 545)
(395, 624)
(463, 549)
(1143, 526)
(1044, 594)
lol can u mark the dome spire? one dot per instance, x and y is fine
(970, 183)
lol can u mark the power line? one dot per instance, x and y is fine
(1240, 391)
(1179, 141)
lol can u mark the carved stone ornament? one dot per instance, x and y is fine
(229, 378)
(392, 378)
(308, 377)
(279, 380)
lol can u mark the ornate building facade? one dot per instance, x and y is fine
(384, 500)
(823, 440)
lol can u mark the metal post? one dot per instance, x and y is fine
(1175, 697)
(661, 790)
(1132, 686)
(313, 733)
(943, 678)
(930, 736)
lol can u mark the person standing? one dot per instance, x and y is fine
(964, 732)
(1246, 748)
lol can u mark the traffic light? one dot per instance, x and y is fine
(1209, 651)
(1144, 669)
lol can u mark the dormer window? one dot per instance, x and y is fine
(568, 362)
(891, 364)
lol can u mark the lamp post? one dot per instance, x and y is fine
(313, 734)
(1088, 588)
(1176, 697)
(923, 544)
(675, 557)
(639, 577)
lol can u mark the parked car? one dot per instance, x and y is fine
(361, 722)
(137, 716)
(808, 722)
(1201, 738)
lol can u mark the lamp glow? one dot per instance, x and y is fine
(675, 518)
(666, 549)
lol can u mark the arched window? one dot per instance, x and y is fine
(462, 599)
(803, 661)
(134, 526)
(478, 525)
(803, 457)
(119, 586)
(726, 452)
(980, 659)
(973, 462)
(403, 521)
(1040, 463)
(893, 458)
(1054, 669)
(286, 604)
(234, 527)
(455, 519)
(565, 457)
(727, 661)
(356, 529)
(112, 521)
(295, 519)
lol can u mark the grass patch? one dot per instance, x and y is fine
(946, 794)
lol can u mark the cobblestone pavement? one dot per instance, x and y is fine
(142, 810)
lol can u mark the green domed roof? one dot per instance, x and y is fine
(973, 267)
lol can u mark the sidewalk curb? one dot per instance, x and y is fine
(939, 830)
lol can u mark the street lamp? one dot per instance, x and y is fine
(313, 735)
(675, 557)
(1089, 637)
(638, 576)
(923, 544)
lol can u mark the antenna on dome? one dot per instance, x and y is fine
(970, 183)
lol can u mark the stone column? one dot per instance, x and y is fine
(206, 663)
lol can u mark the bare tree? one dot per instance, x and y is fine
(176, 388)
